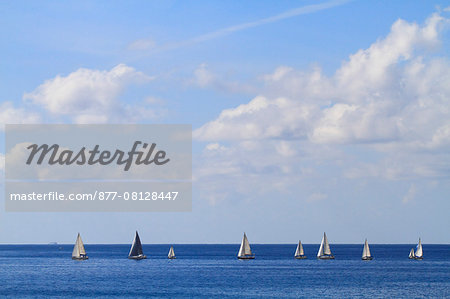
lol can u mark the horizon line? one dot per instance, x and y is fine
(221, 243)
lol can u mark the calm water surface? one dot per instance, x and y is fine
(45, 271)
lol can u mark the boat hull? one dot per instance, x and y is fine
(139, 257)
(418, 258)
(81, 258)
(300, 257)
(367, 258)
(326, 257)
(246, 257)
(172, 258)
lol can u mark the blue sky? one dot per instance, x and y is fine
(308, 116)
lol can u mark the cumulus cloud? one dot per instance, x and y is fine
(385, 89)
(12, 115)
(90, 96)
(385, 112)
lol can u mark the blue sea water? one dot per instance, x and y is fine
(208, 271)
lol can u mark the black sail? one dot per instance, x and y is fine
(136, 248)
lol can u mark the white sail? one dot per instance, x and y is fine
(320, 253)
(419, 251)
(411, 253)
(132, 245)
(366, 250)
(171, 254)
(299, 251)
(78, 249)
(245, 247)
(326, 245)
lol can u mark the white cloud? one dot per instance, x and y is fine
(90, 95)
(285, 149)
(260, 118)
(372, 69)
(389, 102)
(215, 147)
(375, 89)
(203, 77)
(11, 115)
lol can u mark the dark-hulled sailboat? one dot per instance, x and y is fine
(136, 252)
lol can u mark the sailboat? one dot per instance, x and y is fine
(299, 253)
(366, 256)
(136, 252)
(171, 254)
(411, 254)
(418, 255)
(245, 253)
(324, 250)
(79, 253)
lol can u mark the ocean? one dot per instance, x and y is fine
(213, 271)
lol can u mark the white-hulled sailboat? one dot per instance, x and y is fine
(79, 253)
(171, 254)
(245, 253)
(136, 252)
(411, 254)
(418, 255)
(366, 256)
(299, 253)
(324, 250)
